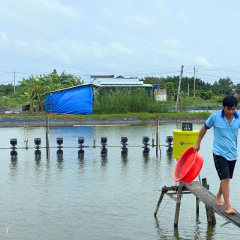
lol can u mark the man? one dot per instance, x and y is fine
(226, 124)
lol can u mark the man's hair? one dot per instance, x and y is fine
(230, 101)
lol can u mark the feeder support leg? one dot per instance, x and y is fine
(179, 193)
(159, 201)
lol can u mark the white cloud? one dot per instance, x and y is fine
(200, 60)
(57, 7)
(3, 37)
(130, 36)
(184, 18)
(120, 49)
(103, 30)
(29, 19)
(172, 43)
(139, 23)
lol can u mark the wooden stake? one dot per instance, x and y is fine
(47, 137)
(157, 139)
(210, 214)
(159, 201)
(197, 205)
(178, 205)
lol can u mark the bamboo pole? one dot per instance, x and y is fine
(177, 211)
(47, 137)
(157, 139)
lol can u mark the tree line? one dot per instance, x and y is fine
(205, 90)
(32, 90)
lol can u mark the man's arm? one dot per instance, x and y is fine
(200, 137)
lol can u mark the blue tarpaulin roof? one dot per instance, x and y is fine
(74, 100)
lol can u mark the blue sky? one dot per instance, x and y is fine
(122, 37)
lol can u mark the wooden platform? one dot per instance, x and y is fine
(203, 195)
(209, 199)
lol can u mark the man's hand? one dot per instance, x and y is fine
(196, 148)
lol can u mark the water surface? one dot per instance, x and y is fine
(96, 197)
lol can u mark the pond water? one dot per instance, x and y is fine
(96, 197)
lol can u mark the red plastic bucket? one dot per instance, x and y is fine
(188, 166)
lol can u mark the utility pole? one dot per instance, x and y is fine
(14, 88)
(179, 88)
(194, 82)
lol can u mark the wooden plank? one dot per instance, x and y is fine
(209, 199)
(171, 195)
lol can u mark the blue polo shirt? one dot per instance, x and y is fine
(225, 134)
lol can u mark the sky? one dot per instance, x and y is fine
(131, 38)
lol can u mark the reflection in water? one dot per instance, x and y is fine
(169, 150)
(169, 158)
(60, 160)
(59, 153)
(163, 234)
(81, 160)
(129, 186)
(197, 219)
(80, 153)
(47, 163)
(37, 153)
(196, 230)
(124, 160)
(13, 164)
(104, 161)
(176, 233)
(146, 158)
(14, 167)
(13, 154)
(159, 230)
(38, 161)
(211, 231)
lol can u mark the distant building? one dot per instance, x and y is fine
(160, 93)
(102, 76)
(111, 83)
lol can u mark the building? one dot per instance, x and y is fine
(109, 82)
(160, 93)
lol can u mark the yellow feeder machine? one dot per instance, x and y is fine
(183, 139)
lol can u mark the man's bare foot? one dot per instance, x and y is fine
(230, 211)
(219, 201)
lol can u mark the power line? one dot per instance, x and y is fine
(203, 73)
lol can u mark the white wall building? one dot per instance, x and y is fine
(160, 94)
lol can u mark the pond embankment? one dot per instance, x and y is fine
(64, 122)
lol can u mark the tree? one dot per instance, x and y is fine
(206, 94)
(170, 91)
(36, 87)
(223, 86)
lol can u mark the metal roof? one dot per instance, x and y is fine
(126, 85)
(82, 85)
(120, 83)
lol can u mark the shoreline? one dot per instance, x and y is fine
(70, 122)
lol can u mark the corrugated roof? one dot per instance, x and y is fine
(126, 85)
(82, 85)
